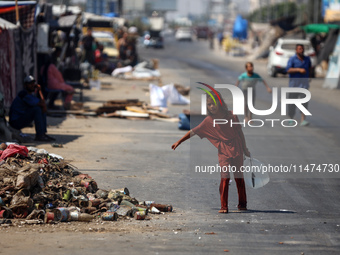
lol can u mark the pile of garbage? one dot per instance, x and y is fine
(42, 187)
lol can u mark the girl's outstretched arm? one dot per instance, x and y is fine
(184, 138)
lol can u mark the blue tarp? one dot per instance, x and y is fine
(240, 29)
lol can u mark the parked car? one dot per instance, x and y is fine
(183, 34)
(280, 53)
(153, 39)
(107, 40)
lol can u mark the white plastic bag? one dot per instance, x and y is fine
(157, 97)
(253, 175)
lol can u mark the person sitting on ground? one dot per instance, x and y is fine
(55, 81)
(27, 107)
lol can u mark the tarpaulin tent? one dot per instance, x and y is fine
(17, 47)
(240, 28)
(319, 28)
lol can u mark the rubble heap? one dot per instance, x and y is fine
(44, 188)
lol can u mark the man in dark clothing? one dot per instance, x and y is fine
(298, 68)
(88, 44)
(27, 107)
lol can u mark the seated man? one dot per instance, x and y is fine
(27, 107)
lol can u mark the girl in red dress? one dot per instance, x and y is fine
(229, 140)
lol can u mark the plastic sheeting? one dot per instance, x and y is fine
(159, 96)
(240, 30)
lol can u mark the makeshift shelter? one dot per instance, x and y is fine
(17, 47)
(240, 29)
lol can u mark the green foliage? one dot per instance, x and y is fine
(276, 11)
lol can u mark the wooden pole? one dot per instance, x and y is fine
(17, 11)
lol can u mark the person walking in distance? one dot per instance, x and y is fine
(231, 145)
(298, 68)
(249, 79)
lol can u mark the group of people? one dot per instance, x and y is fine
(229, 139)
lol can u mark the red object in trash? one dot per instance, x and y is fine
(4, 214)
(14, 149)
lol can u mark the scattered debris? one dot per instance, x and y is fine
(40, 188)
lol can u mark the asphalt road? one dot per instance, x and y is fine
(292, 214)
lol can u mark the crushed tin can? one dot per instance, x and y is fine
(109, 216)
(139, 215)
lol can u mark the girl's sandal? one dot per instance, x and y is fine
(223, 211)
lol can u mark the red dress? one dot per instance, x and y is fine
(227, 140)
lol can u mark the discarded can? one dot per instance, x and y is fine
(112, 207)
(65, 214)
(52, 216)
(1, 202)
(124, 191)
(74, 215)
(162, 208)
(124, 210)
(101, 193)
(74, 192)
(139, 215)
(85, 184)
(109, 216)
(84, 203)
(67, 195)
(96, 202)
(4, 213)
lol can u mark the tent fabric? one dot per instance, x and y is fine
(20, 3)
(7, 64)
(240, 28)
(6, 24)
(26, 14)
(319, 28)
(7, 9)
